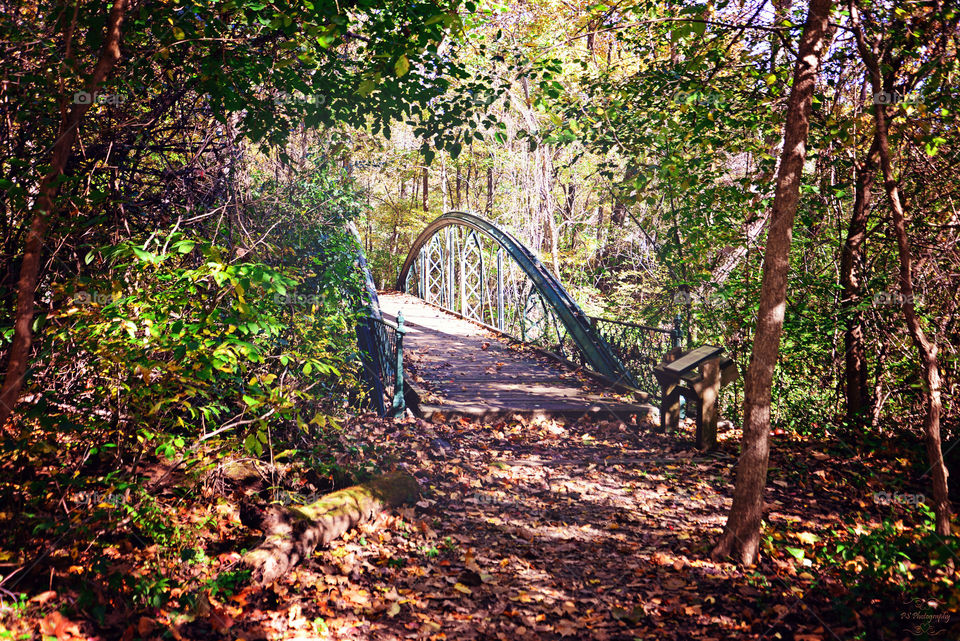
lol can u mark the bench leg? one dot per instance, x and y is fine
(670, 409)
(708, 389)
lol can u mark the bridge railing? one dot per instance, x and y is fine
(388, 353)
(639, 347)
(380, 343)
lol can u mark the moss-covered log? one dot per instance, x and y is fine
(293, 533)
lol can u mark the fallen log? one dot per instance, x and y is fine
(294, 532)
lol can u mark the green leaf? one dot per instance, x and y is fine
(252, 445)
(402, 66)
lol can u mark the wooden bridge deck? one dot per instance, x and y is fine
(460, 368)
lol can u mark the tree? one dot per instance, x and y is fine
(261, 69)
(741, 537)
(46, 206)
(855, 361)
(876, 57)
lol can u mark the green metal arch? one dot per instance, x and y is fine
(595, 350)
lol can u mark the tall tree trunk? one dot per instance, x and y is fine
(741, 537)
(855, 362)
(926, 349)
(45, 208)
(490, 190)
(781, 11)
(426, 189)
(554, 243)
(600, 223)
(466, 185)
(459, 180)
(569, 205)
(444, 187)
(547, 208)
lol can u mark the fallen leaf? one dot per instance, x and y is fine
(43, 597)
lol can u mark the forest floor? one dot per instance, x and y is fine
(525, 530)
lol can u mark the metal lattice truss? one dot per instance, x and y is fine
(466, 265)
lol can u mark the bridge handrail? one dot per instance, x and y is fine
(389, 352)
(381, 345)
(638, 347)
(601, 319)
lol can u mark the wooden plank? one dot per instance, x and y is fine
(463, 369)
(692, 358)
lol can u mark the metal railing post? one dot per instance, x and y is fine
(500, 323)
(422, 273)
(450, 294)
(463, 278)
(399, 404)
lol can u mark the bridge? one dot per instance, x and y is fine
(478, 327)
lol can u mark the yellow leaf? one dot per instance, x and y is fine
(459, 587)
(808, 537)
(402, 66)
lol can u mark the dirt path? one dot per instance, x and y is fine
(542, 531)
(539, 529)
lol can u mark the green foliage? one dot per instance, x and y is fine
(891, 563)
(184, 340)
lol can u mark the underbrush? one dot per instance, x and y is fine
(170, 360)
(877, 565)
(159, 536)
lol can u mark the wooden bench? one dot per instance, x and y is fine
(698, 375)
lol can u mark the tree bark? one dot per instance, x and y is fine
(926, 349)
(741, 537)
(292, 534)
(459, 181)
(855, 363)
(444, 186)
(490, 190)
(426, 189)
(45, 207)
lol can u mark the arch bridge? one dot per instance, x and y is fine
(466, 265)
(465, 285)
